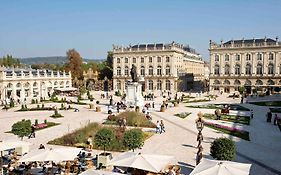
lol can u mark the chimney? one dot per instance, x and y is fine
(277, 40)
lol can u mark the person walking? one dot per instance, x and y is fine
(32, 134)
(90, 142)
(158, 127)
(252, 113)
(275, 121)
(162, 127)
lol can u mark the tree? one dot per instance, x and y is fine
(104, 138)
(109, 59)
(223, 149)
(22, 128)
(133, 139)
(241, 89)
(74, 64)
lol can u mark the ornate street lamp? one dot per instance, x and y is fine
(200, 122)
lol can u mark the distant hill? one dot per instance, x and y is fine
(50, 60)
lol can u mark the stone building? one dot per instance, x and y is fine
(165, 67)
(252, 63)
(92, 82)
(27, 84)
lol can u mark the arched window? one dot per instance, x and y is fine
(270, 69)
(126, 60)
(226, 82)
(168, 85)
(217, 70)
(67, 84)
(61, 84)
(270, 82)
(271, 56)
(159, 70)
(237, 69)
(150, 70)
(56, 84)
(227, 69)
(118, 70)
(248, 57)
(217, 82)
(168, 70)
(159, 85)
(259, 56)
(36, 84)
(248, 69)
(248, 83)
(118, 60)
(26, 85)
(259, 82)
(237, 83)
(126, 70)
(150, 85)
(226, 57)
(18, 85)
(134, 60)
(10, 86)
(217, 57)
(142, 70)
(259, 69)
(118, 85)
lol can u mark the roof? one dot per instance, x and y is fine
(250, 41)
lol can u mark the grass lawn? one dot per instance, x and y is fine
(183, 114)
(267, 103)
(275, 110)
(245, 120)
(195, 101)
(243, 135)
(221, 106)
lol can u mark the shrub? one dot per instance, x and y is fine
(12, 104)
(118, 93)
(32, 101)
(104, 138)
(45, 121)
(22, 128)
(133, 139)
(223, 149)
(56, 114)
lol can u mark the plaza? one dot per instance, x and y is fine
(179, 140)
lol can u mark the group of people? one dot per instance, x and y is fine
(160, 127)
(269, 116)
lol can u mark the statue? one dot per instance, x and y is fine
(134, 73)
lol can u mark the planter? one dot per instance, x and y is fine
(103, 159)
(98, 109)
(91, 106)
(162, 109)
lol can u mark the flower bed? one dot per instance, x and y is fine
(229, 130)
(183, 114)
(221, 106)
(230, 118)
(45, 125)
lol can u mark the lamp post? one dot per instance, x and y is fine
(199, 126)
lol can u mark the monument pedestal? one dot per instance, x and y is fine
(133, 95)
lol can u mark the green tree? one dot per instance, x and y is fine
(241, 89)
(104, 138)
(74, 64)
(22, 128)
(133, 139)
(223, 149)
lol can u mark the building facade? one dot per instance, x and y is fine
(252, 63)
(26, 84)
(161, 65)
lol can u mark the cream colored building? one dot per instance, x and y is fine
(161, 65)
(252, 63)
(27, 84)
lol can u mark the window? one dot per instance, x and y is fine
(150, 85)
(271, 56)
(159, 85)
(226, 57)
(168, 85)
(168, 70)
(259, 56)
(118, 60)
(248, 69)
(118, 70)
(227, 69)
(167, 59)
(259, 69)
(217, 70)
(142, 60)
(150, 59)
(270, 69)
(237, 69)
(118, 84)
(126, 60)
(248, 57)
(126, 70)
(217, 57)
(159, 70)
(159, 59)
(142, 70)
(237, 57)
(134, 60)
(150, 70)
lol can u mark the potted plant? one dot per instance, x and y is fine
(162, 108)
(98, 109)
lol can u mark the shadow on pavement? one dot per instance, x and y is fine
(185, 168)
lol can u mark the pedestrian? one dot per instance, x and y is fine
(275, 119)
(124, 123)
(162, 127)
(166, 104)
(269, 117)
(32, 134)
(158, 127)
(252, 114)
(199, 139)
(90, 142)
(242, 99)
(153, 105)
(41, 146)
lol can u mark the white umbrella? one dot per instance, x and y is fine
(56, 154)
(147, 162)
(98, 172)
(12, 144)
(217, 167)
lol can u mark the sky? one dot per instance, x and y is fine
(31, 28)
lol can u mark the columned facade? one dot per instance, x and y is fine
(253, 63)
(159, 64)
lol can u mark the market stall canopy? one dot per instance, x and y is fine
(147, 162)
(98, 172)
(56, 154)
(217, 167)
(12, 144)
